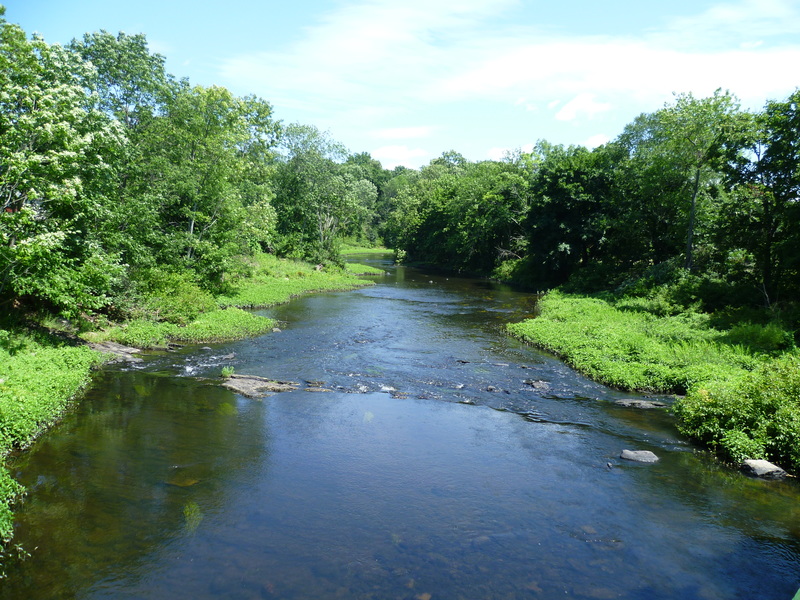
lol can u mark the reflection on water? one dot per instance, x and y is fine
(449, 462)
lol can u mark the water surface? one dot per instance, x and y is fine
(448, 461)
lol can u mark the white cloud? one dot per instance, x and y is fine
(582, 105)
(392, 156)
(497, 153)
(372, 63)
(723, 23)
(596, 140)
(502, 153)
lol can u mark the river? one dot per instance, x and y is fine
(448, 462)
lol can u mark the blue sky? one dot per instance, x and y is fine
(406, 80)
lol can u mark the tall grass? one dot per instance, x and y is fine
(275, 281)
(269, 281)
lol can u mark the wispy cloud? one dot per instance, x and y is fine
(373, 68)
(403, 133)
(582, 105)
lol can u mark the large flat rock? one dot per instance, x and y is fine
(642, 456)
(120, 352)
(763, 469)
(254, 386)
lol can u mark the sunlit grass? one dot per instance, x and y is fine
(346, 249)
(633, 350)
(359, 269)
(742, 386)
(275, 281)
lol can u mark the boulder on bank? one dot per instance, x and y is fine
(643, 456)
(763, 469)
(254, 386)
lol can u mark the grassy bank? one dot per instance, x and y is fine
(184, 314)
(742, 391)
(39, 375)
(42, 372)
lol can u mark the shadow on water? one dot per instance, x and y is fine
(137, 466)
(447, 461)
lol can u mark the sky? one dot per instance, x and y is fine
(407, 80)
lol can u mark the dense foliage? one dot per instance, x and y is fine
(628, 348)
(118, 182)
(741, 385)
(699, 192)
(115, 178)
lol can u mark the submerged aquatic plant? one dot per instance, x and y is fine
(192, 516)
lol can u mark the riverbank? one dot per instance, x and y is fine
(43, 368)
(739, 388)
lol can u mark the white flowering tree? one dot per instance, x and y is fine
(53, 148)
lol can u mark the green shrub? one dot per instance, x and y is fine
(174, 297)
(143, 333)
(633, 349)
(10, 490)
(755, 416)
(762, 338)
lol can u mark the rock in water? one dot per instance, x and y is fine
(253, 386)
(644, 456)
(118, 351)
(763, 469)
(641, 403)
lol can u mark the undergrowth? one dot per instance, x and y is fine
(275, 281)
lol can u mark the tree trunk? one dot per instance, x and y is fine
(690, 234)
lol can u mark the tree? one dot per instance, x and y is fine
(699, 135)
(129, 80)
(762, 215)
(54, 145)
(571, 209)
(131, 86)
(200, 155)
(318, 196)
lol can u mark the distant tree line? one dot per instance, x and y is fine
(114, 175)
(700, 195)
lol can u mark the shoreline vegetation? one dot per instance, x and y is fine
(45, 365)
(737, 389)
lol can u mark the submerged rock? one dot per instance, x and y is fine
(540, 385)
(762, 469)
(254, 386)
(644, 456)
(638, 403)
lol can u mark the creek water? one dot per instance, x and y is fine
(448, 461)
